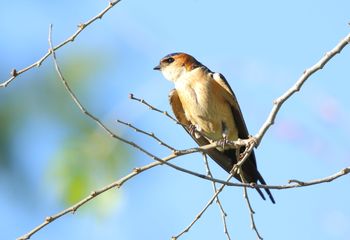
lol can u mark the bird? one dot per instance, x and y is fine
(205, 105)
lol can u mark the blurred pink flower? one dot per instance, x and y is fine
(329, 110)
(289, 130)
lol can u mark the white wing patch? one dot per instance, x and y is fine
(216, 76)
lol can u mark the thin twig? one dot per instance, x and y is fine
(104, 127)
(122, 180)
(81, 27)
(251, 213)
(217, 200)
(292, 183)
(250, 208)
(297, 86)
(254, 141)
(132, 97)
(92, 195)
(250, 143)
(198, 216)
(83, 110)
(234, 144)
(152, 135)
(138, 170)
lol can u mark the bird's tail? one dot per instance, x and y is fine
(262, 181)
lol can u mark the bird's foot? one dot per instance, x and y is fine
(253, 140)
(194, 130)
(191, 129)
(222, 142)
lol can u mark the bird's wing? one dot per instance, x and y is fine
(225, 159)
(249, 168)
(178, 110)
(222, 87)
(220, 158)
(226, 91)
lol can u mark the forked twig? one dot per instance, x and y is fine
(133, 144)
(15, 73)
(217, 200)
(199, 215)
(115, 184)
(219, 190)
(251, 213)
(258, 137)
(250, 208)
(92, 195)
(152, 135)
(132, 97)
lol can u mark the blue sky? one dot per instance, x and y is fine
(261, 48)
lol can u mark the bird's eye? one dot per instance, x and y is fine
(169, 60)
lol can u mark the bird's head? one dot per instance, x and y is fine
(174, 65)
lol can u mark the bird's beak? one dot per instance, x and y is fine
(156, 67)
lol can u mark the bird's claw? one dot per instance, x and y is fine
(191, 129)
(253, 140)
(222, 142)
(194, 130)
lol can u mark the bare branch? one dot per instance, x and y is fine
(216, 194)
(217, 200)
(251, 213)
(92, 195)
(132, 97)
(236, 144)
(154, 157)
(122, 180)
(233, 144)
(81, 27)
(297, 86)
(152, 135)
(117, 183)
(138, 170)
(291, 183)
(250, 208)
(198, 216)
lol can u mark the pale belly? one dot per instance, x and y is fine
(211, 115)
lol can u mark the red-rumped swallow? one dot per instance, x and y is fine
(203, 102)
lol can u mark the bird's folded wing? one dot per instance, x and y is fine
(225, 90)
(220, 158)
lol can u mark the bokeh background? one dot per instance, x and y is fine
(51, 155)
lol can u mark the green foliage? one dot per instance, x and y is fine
(85, 162)
(79, 155)
(88, 157)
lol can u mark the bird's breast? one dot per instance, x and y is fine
(206, 110)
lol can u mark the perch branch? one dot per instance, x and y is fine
(277, 104)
